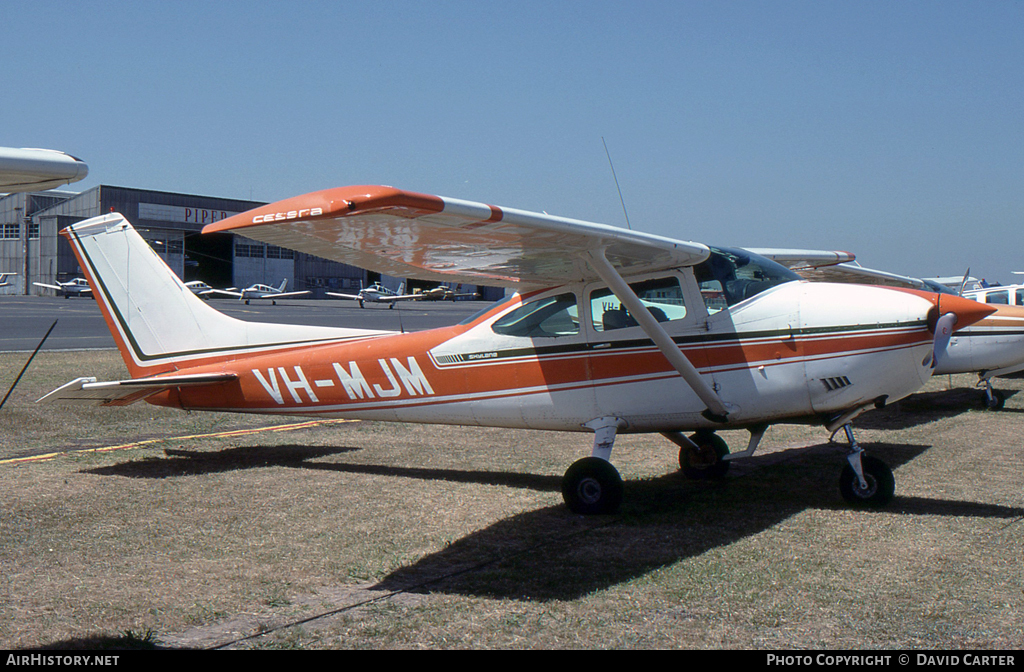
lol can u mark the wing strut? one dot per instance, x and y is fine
(717, 410)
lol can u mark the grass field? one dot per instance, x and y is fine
(377, 535)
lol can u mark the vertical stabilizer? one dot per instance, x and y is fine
(155, 319)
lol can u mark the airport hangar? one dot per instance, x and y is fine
(171, 223)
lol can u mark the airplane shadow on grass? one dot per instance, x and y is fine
(924, 407)
(552, 554)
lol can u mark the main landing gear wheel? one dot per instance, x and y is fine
(592, 486)
(706, 461)
(881, 483)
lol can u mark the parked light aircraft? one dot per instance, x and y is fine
(609, 331)
(199, 288)
(444, 293)
(258, 291)
(76, 287)
(376, 293)
(38, 169)
(1008, 295)
(992, 347)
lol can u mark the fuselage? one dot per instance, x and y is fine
(776, 355)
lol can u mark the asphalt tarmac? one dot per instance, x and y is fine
(80, 325)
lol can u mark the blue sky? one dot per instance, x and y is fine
(894, 130)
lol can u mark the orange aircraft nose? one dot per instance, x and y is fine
(967, 311)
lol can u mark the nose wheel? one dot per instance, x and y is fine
(866, 481)
(879, 484)
(994, 399)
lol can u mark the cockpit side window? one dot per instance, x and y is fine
(663, 298)
(549, 317)
(730, 276)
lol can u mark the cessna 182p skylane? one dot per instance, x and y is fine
(610, 331)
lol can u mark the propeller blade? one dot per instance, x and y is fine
(943, 332)
(963, 283)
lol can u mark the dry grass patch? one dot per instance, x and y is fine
(408, 536)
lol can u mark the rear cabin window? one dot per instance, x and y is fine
(663, 299)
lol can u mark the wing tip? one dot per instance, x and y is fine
(338, 201)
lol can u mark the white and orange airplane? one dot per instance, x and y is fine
(609, 331)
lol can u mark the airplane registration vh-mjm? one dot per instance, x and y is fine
(609, 331)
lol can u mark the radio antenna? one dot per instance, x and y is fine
(621, 200)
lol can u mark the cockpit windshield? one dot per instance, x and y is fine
(731, 275)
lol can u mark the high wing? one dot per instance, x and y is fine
(856, 273)
(805, 262)
(406, 234)
(30, 169)
(837, 266)
(124, 392)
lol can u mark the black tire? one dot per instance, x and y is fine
(881, 484)
(705, 462)
(996, 402)
(592, 486)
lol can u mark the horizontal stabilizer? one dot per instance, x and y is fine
(124, 392)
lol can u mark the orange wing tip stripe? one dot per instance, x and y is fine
(335, 202)
(148, 442)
